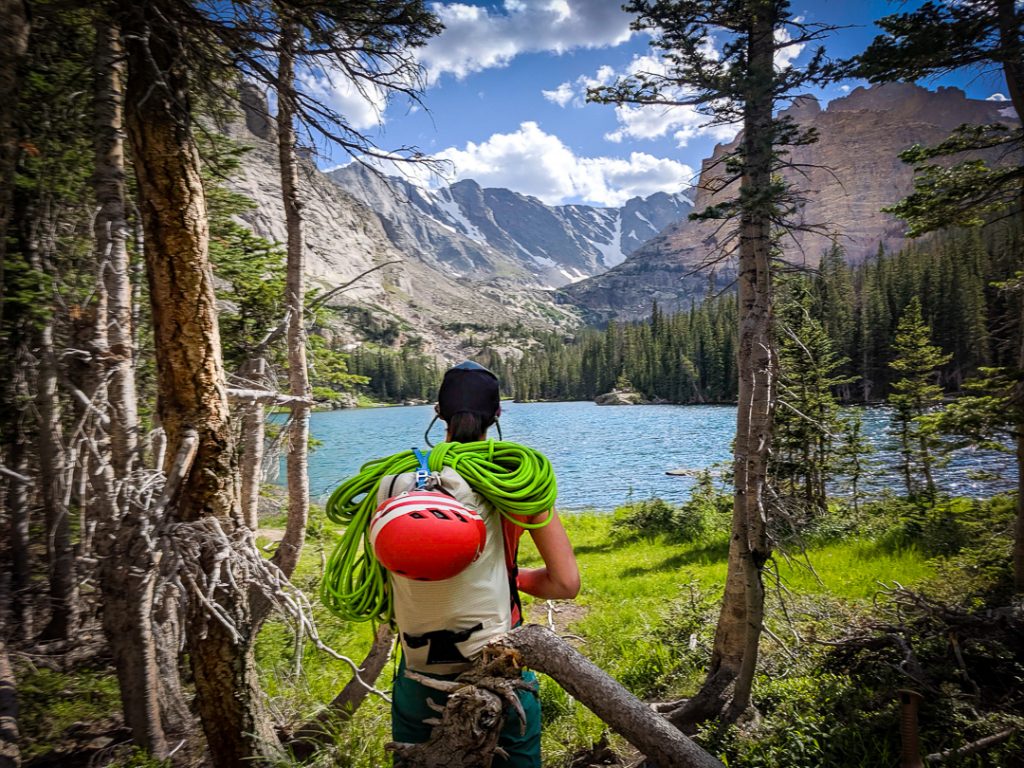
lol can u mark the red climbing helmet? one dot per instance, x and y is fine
(426, 535)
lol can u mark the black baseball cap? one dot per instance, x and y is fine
(469, 388)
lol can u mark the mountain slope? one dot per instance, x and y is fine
(848, 176)
(344, 239)
(481, 232)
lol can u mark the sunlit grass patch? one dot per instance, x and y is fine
(52, 703)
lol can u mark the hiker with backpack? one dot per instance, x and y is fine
(445, 530)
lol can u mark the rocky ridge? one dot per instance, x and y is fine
(847, 177)
(483, 232)
(345, 239)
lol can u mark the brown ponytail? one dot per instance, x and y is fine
(466, 427)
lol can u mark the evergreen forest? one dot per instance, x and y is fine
(173, 331)
(959, 276)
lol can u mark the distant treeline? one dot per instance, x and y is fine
(965, 281)
(396, 375)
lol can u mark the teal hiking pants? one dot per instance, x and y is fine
(409, 709)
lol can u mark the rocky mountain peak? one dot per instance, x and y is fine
(847, 177)
(506, 233)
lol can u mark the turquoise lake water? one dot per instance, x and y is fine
(603, 456)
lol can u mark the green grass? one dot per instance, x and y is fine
(52, 703)
(642, 603)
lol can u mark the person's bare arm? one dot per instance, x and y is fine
(559, 578)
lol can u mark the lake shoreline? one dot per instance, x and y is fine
(606, 457)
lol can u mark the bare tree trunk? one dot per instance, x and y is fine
(151, 698)
(287, 555)
(727, 687)
(22, 613)
(111, 232)
(253, 434)
(14, 32)
(10, 754)
(40, 241)
(49, 444)
(190, 374)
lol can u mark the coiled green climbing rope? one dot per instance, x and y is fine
(514, 479)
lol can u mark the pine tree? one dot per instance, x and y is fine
(853, 455)
(742, 85)
(808, 422)
(914, 393)
(943, 37)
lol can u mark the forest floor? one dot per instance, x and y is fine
(646, 615)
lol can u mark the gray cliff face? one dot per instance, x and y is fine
(344, 238)
(483, 232)
(847, 177)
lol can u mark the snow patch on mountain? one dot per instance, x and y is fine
(611, 252)
(450, 208)
(480, 232)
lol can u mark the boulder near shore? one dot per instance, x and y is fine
(620, 397)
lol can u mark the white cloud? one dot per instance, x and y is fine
(997, 97)
(477, 38)
(536, 163)
(561, 96)
(644, 121)
(785, 56)
(360, 109)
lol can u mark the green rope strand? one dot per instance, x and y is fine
(516, 480)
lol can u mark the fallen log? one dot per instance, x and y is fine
(544, 651)
(468, 728)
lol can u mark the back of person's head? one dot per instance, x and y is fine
(468, 401)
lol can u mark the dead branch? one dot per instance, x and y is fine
(266, 397)
(314, 733)
(200, 558)
(179, 470)
(319, 301)
(16, 476)
(973, 748)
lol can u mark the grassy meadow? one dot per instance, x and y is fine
(646, 614)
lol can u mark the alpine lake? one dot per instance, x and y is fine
(605, 456)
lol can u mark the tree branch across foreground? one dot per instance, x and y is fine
(307, 739)
(468, 727)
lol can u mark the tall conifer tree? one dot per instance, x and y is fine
(740, 85)
(916, 362)
(940, 37)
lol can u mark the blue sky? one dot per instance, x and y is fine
(504, 99)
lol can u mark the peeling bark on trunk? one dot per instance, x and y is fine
(190, 373)
(10, 755)
(287, 555)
